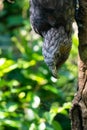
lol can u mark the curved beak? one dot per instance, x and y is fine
(53, 71)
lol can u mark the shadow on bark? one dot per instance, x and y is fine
(78, 111)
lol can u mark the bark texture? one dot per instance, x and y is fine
(79, 107)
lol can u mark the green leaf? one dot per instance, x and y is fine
(6, 66)
(14, 20)
(56, 125)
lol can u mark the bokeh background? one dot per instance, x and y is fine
(30, 98)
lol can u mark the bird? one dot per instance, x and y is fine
(52, 19)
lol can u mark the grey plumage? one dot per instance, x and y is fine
(54, 49)
(52, 19)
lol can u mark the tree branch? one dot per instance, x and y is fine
(79, 107)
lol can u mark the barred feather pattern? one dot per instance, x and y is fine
(53, 19)
(56, 48)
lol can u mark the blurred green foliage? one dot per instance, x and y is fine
(30, 98)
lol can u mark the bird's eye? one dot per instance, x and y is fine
(57, 55)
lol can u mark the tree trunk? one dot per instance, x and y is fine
(78, 112)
